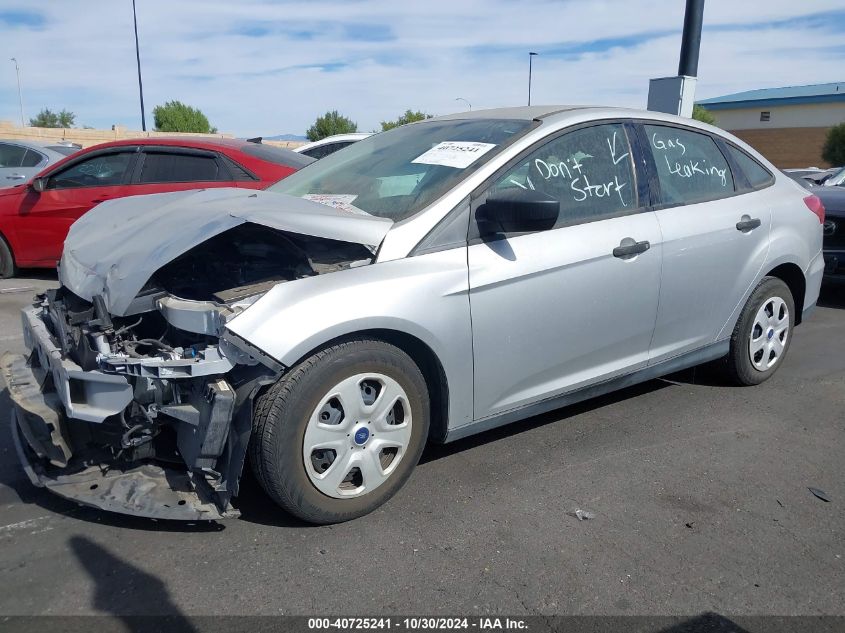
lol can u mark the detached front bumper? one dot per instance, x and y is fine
(54, 400)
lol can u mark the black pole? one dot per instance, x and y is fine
(138, 59)
(530, 57)
(693, 18)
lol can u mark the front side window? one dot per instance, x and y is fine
(104, 170)
(165, 167)
(398, 173)
(589, 171)
(690, 166)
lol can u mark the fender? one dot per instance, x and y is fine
(425, 297)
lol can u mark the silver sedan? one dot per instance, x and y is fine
(21, 160)
(424, 284)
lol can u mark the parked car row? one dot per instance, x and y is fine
(831, 193)
(35, 217)
(423, 284)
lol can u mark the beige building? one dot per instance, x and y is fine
(787, 125)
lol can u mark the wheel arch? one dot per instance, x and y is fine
(792, 275)
(5, 240)
(425, 358)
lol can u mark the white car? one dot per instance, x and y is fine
(330, 144)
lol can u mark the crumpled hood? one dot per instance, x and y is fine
(115, 248)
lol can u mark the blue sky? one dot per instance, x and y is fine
(263, 67)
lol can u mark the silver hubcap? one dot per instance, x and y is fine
(769, 334)
(357, 435)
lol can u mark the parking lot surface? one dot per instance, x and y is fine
(699, 493)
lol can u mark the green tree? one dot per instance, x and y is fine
(700, 113)
(48, 118)
(329, 124)
(408, 117)
(175, 116)
(833, 151)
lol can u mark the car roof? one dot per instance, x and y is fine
(199, 142)
(33, 143)
(524, 113)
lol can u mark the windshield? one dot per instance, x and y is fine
(836, 179)
(398, 173)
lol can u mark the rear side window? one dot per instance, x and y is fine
(589, 170)
(11, 155)
(32, 158)
(758, 176)
(238, 172)
(164, 167)
(690, 166)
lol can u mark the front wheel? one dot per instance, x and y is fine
(341, 432)
(763, 333)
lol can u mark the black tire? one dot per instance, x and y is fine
(282, 414)
(740, 369)
(7, 260)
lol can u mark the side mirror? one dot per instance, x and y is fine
(517, 211)
(38, 184)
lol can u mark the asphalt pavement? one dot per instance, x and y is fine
(699, 493)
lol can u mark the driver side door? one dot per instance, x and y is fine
(43, 219)
(556, 310)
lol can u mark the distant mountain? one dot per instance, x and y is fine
(286, 137)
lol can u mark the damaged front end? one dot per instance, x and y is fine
(149, 412)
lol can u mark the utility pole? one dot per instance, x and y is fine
(530, 57)
(138, 59)
(20, 94)
(676, 95)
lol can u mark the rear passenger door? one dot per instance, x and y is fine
(166, 168)
(715, 238)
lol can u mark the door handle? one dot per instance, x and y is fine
(747, 224)
(15, 177)
(629, 250)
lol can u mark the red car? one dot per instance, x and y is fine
(35, 218)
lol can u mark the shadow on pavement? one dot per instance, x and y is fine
(123, 590)
(832, 296)
(46, 274)
(437, 451)
(706, 623)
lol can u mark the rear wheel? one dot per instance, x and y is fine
(7, 260)
(763, 333)
(340, 433)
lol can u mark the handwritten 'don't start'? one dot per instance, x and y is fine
(579, 181)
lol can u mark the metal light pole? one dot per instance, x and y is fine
(530, 58)
(138, 59)
(20, 96)
(465, 101)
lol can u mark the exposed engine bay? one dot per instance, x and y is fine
(149, 412)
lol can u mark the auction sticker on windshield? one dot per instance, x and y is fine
(459, 154)
(341, 202)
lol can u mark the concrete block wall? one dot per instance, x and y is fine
(87, 138)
